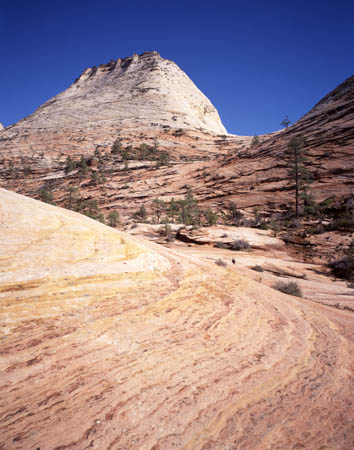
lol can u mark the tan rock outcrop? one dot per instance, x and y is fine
(219, 168)
(142, 91)
(110, 342)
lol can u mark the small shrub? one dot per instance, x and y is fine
(290, 288)
(233, 215)
(27, 170)
(45, 195)
(343, 222)
(165, 230)
(113, 218)
(94, 178)
(240, 245)
(316, 229)
(140, 214)
(70, 164)
(343, 268)
(83, 166)
(257, 268)
(211, 217)
(117, 146)
(220, 262)
(275, 226)
(255, 141)
(163, 159)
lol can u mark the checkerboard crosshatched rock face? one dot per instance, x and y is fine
(144, 88)
(140, 100)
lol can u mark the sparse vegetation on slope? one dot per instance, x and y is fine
(299, 177)
(290, 288)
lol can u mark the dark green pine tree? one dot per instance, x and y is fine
(285, 122)
(158, 206)
(172, 209)
(189, 209)
(299, 176)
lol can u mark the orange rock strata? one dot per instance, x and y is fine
(109, 342)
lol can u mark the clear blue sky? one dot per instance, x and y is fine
(257, 61)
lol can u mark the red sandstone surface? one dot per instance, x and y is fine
(111, 342)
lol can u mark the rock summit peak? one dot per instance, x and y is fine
(134, 91)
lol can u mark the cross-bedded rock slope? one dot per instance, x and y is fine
(111, 342)
(142, 91)
(219, 168)
(259, 175)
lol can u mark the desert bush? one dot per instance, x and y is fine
(163, 159)
(327, 205)
(141, 213)
(83, 166)
(27, 170)
(343, 267)
(275, 226)
(240, 245)
(165, 229)
(290, 288)
(113, 218)
(45, 195)
(70, 164)
(344, 221)
(97, 178)
(310, 207)
(255, 141)
(117, 146)
(210, 217)
(96, 216)
(233, 215)
(88, 207)
(189, 212)
(316, 229)
(220, 262)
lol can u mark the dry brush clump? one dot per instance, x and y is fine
(220, 262)
(237, 245)
(290, 288)
(343, 267)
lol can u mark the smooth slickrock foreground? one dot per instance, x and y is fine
(109, 342)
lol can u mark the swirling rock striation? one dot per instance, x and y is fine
(110, 342)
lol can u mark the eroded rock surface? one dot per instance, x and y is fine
(142, 91)
(111, 342)
(219, 168)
